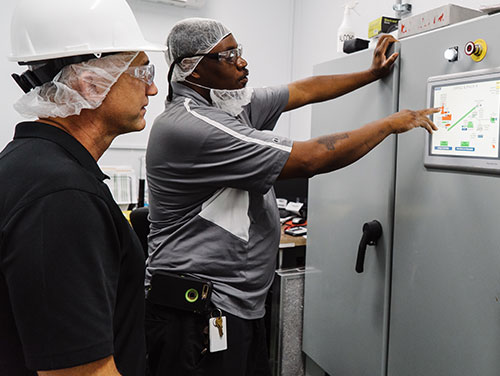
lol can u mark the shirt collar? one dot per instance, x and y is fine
(65, 140)
(185, 91)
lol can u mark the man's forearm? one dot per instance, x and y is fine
(331, 152)
(342, 149)
(334, 151)
(321, 88)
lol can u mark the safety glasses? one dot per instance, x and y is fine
(145, 73)
(229, 56)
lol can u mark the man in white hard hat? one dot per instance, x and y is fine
(210, 168)
(71, 268)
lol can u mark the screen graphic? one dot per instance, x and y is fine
(468, 123)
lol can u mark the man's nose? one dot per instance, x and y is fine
(241, 63)
(152, 89)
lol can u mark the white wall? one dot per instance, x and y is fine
(282, 41)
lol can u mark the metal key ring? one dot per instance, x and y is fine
(216, 309)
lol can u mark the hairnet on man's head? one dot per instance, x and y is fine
(64, 95)
(189, 37)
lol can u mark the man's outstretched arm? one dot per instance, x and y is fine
(322, 88)
(331, 152)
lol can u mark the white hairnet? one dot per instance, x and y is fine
(189, 37)
(63, 96)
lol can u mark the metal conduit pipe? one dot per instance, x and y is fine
(401, 9)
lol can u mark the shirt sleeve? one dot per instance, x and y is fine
(61, 271)
(267, 105)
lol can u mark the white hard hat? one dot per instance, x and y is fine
(52, 29)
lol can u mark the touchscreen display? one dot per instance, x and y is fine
(468, 121)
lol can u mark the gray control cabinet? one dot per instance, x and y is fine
(428, 303)
(445, 311)
(345, 311)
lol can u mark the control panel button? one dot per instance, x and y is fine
(451, 54)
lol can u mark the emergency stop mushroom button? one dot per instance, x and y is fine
(476, 50)
(469, 48)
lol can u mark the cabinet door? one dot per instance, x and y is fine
(445, 311)
(345, 312)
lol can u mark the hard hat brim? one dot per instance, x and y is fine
(147, 47)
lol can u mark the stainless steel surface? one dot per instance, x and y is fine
(286, 323)
(444, 15)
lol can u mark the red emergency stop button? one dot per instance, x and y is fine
(470, 47)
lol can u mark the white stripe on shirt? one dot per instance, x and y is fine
(232, 132)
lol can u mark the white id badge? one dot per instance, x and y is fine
(217, 342)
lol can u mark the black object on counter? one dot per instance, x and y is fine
(356, 44)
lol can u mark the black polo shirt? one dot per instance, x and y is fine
(71, 267)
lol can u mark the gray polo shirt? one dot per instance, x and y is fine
(212, 207)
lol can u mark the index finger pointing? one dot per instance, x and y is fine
(429, 111)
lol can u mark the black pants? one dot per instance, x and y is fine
(177, 343)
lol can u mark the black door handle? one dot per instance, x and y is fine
(372, 231)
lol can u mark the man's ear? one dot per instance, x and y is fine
(88, 87)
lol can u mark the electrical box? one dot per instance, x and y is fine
(434, 19)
